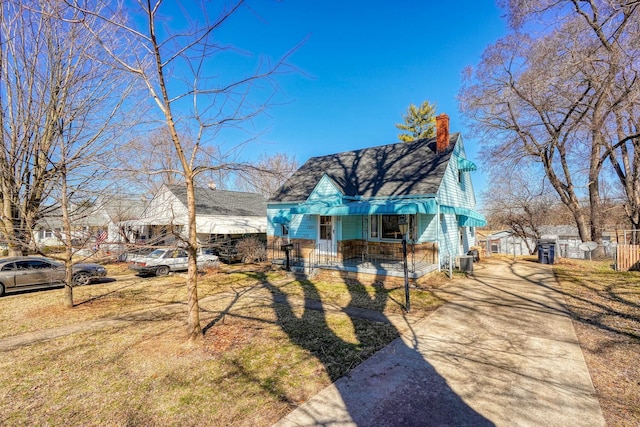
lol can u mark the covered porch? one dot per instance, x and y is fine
(360, 259)
(364, 237)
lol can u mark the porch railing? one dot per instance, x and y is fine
(360, 254)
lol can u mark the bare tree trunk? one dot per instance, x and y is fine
(567, 194)
(68, 250)
(195, 330)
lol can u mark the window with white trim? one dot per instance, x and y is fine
(384, 227)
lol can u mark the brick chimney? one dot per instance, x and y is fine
(442, 132)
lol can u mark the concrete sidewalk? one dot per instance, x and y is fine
(502, 351)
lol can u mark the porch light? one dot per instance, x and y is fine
(403, 225)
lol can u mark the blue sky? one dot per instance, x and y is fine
(361, 66)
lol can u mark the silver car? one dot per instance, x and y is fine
(161, 261)
(18, 273)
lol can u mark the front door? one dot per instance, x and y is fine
(326, 240)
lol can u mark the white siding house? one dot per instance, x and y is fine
(219, 214)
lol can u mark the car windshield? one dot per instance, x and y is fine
(157, 253)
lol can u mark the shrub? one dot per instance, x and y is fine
(251, 250)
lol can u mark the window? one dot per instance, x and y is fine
(390, 227)
(325, 228)
(284, 230)
(385, 227)
(9, 267)
(33, 265)
(178, 253)
(374, 227)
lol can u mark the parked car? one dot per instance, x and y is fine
(18, 273)
(226, 250)
(162, 261)
(133, 254)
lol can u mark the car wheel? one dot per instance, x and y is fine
(1, 289)
(81, 279)
(162, 270)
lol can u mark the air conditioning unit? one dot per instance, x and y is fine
(465, 263)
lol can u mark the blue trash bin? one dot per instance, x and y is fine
(540, 254)
(546, 251)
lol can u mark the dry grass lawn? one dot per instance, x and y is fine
(606, 309)
(119, 357)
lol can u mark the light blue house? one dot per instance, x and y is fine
(342, 211)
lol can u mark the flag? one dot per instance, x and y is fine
(102, 236)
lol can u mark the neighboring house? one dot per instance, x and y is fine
(568, 241)
(506, 242)
(343, 210)
(565, 237)
(93, 225)
(220, 215)
(48, 231)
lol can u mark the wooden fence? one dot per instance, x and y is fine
(628, 257)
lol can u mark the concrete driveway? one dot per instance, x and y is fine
(502, 351)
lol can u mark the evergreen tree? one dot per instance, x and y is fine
(420, 122)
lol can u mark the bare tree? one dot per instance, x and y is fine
(267, 174)
(552, 97)
(175, 64)
(28, 127)
(150, 161)
(623, 143)
(521, 201)
(523, 116)
(52, 82)
(76, 178)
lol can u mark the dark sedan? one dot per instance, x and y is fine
(19, 273)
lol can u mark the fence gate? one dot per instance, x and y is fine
(628, 257)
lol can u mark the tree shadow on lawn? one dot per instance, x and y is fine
(396, 386)
(583, 306)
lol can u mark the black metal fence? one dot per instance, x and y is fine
(362, 254)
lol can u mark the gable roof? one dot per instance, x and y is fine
(393, 170)
(222, 202)
(121, 208)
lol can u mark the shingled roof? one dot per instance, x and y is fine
(393, 170)
(222, 202)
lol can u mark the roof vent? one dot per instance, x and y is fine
(211, 185)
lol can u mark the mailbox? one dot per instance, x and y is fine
(287, 250)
